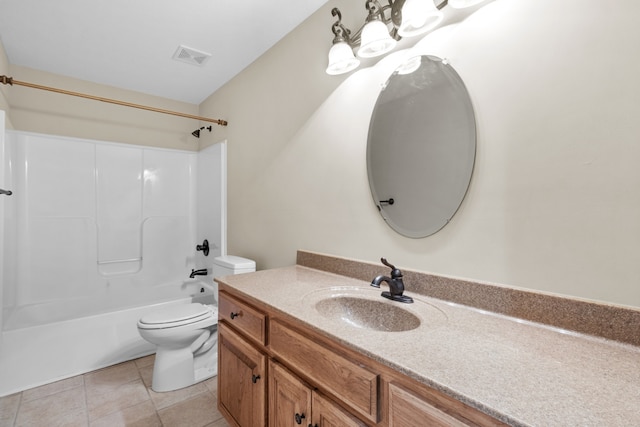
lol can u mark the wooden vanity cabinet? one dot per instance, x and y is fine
(289, 398)
(242, 379)
(242, 363)
(292, 402)
(275, 371)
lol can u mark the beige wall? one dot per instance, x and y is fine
(47, 112)
(4, 96)
(554, 203)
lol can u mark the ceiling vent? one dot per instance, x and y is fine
(191, 56)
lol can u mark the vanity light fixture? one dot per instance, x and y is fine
(375, 39)
(406, 18)
(341, 57)
(382, 29)
(418, 17)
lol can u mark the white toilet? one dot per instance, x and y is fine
(186, 335)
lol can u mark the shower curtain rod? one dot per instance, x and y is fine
(11, 81)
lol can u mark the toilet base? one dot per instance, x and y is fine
(173, 369)
(206, 372)
(178, 368)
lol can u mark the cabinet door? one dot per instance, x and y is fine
(241, 379)
(328, 414)
(289, 398)
(408, 410)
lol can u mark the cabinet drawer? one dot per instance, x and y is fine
(354, 385)
(244, 318)
(407, 409)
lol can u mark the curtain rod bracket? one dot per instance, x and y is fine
(10, 81)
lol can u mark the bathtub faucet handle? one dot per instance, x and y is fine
(204, 247)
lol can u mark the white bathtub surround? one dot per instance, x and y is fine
(3, 182)
(96, 232)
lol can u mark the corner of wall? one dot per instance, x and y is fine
(4, 92)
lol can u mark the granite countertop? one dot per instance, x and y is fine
(520, 372)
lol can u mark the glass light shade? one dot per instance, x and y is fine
(341, 59)
(418, 17)
(461, 4)
(375, 40)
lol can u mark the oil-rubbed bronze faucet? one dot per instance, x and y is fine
(396, 285)
(201, 272)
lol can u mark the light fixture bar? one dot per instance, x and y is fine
(375, 38)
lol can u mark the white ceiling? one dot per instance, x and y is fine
(129, 44)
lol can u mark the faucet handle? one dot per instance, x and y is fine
(395, 272)
(204, 247)
(385, 262)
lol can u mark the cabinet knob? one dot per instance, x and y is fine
(255, 378)
(299, 418)
(234, 315)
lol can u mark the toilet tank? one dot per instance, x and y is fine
(226, 265)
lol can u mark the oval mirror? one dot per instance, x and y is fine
(421, 146)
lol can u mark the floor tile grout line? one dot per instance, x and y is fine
(86, 402)
(15, 416)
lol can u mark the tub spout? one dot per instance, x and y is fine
(201, 272)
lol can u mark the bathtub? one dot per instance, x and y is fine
(96, 235)
(33, 353)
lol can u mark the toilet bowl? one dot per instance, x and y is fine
(186, 335)
(186, 338)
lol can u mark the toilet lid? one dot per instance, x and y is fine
(181, 314)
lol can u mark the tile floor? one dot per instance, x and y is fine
(119, 395)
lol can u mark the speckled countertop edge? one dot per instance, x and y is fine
(520, 372)
(603, 320)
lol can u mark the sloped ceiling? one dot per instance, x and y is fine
(130, 44)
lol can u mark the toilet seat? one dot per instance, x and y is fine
(179, 315)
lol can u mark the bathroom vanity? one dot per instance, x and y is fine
(303, 346)
(302, 377)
